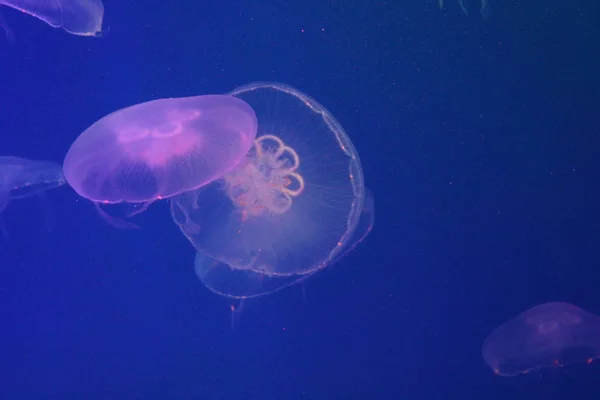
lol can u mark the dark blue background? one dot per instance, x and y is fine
(478, 138)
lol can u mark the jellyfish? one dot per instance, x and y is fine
(158, 149)
(290, 207)
(78, 17)
(20, 178)
(485, 10)
(548, 335)
(240, 283)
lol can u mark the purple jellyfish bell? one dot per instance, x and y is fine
(159, 149)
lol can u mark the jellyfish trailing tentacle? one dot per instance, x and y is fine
(294, 205)
(8, 33)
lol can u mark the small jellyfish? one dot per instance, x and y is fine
(20, 178)
(158, 149)
(78, 17)
(290, 207)
(548, 335)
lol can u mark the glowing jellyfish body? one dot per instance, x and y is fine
(78, 17)
(289, 208)
(548, 335)
(20, 178)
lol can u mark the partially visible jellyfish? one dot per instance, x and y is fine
(78, 17)
(20, 178)
(241, 283)
(158, 149)
(548, 335)
(291, 206)
(485, 10)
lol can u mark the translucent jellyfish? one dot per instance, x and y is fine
(79, 17)
(20, 178)
(289, 208)
(548, 335)
(485, 10)
(161, 148)
(228, 281)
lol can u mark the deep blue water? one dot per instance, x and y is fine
(479, 139)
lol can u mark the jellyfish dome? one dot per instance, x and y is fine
(548, 335)
(289, 208)
(78, 17)
(161, 148)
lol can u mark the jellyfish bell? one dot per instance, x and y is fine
(288, 209)
(241, 282)
(159, 149)
(78, 17)
(8, 33)
(549, 335)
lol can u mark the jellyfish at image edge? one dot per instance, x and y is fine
(290, 207)
(545, 336)
(155, 150)
(21, 178)
(78, 17)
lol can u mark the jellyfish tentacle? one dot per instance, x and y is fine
(8, 33)
(486, 9)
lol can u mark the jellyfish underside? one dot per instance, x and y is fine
(266, 185)
(8, 33)
(546, 336)
(263, 185)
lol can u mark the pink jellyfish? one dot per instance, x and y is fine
(295, 204)
(78, 17)
(159, 149)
